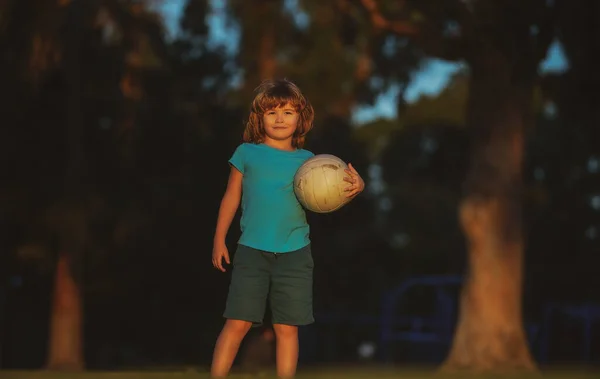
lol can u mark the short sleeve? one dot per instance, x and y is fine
(237, 159)
(308, 154)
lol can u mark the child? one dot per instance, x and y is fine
(273, 257)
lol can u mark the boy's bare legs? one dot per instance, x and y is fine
(286, 350)
(227, 346)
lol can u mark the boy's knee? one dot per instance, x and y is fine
(285, 331)
(238, 327)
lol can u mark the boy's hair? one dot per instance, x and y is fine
(272, 94)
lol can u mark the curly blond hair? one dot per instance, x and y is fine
(277, 93)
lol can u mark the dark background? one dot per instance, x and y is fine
(118, 118)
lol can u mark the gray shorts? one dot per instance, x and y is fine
(285, 279)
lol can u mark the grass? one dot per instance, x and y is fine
(321, 373)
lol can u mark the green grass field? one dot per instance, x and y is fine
(324, 373)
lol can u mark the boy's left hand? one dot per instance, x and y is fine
(357, 184)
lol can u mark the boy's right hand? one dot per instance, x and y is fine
(220, 252)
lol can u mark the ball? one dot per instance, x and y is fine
(319, 183)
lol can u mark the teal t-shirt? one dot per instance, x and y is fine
(272, 218)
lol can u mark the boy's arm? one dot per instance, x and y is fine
(229, 205)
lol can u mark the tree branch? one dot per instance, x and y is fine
(403, 28)
(432, 41)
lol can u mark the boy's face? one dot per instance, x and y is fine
(280, 123)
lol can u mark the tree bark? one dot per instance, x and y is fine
(489, 334)
(65, 350)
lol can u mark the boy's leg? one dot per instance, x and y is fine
(227, 346)
(287, 349)
(291, 300)
(245, 306)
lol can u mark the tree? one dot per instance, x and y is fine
(502, 42)
(331, 57)
(56, 72)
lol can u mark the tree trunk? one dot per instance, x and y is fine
(267, 64)
(489, 334)
(65, 350)
(65, 347)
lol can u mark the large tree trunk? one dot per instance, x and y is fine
(65, 346)
(65, 350)
(489, 335)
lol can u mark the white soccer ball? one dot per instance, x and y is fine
(319, 183)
